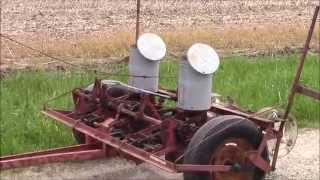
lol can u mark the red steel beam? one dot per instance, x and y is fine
(307, 91)
(131, 150)
(203, 168)
(301, 63)
(111, 141)
(72, 153)
(224, 110)
(55, 150)
(296, 81)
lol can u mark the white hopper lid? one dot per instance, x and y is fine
(203, 58)
(151, 46)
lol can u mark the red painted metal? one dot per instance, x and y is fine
(155, 125)
(307, 91)
(133, 126)
(264, 123)
(203, 168)
(72, 153)
(119, 145)
(256, 156)
(296, 87)
(137, 125)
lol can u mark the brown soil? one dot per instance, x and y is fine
(105, 28)
(60, 18)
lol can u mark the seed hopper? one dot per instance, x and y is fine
(187, 130)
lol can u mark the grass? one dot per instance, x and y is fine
(254, 83)
(228, 39)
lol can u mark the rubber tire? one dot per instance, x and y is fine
(200, 153)
(79, 137)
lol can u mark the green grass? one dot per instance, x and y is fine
(254, 83)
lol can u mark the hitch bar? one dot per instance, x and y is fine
(71, 153)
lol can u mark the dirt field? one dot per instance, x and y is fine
(301, 164)
(105, 28)
(60, 18)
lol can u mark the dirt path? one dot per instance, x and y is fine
(301, 164)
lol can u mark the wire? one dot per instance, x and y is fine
(36, 50)
(77, 65)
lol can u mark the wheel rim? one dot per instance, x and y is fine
(290, 130)
(230, 152)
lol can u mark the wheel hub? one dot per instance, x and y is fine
(233, 152)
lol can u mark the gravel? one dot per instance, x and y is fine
(301, 164)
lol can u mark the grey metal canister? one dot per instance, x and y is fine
(194, 88)
(195, 77)
(143, 72)
(144, 62)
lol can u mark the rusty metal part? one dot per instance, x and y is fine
(78, 152)
(256, 156)
(307, 91)
(117, 144)
(296, 87)
(296, 80)
(233, 151)
(132, 125)
(138, 21)
(144, 117)
(262, 122)
(203, 168)
(290, 130)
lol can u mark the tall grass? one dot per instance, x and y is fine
(228, 40)
(258, 82)
(254, 83)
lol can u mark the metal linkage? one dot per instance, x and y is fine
(296, 86)
(138, 20)
(112, 127)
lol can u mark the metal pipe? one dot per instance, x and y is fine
(138, 21)
(295, 83)
(301, 63)
(144, 117)
(203, 168)
(152, 120)
(161, 94)
(78, 152)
